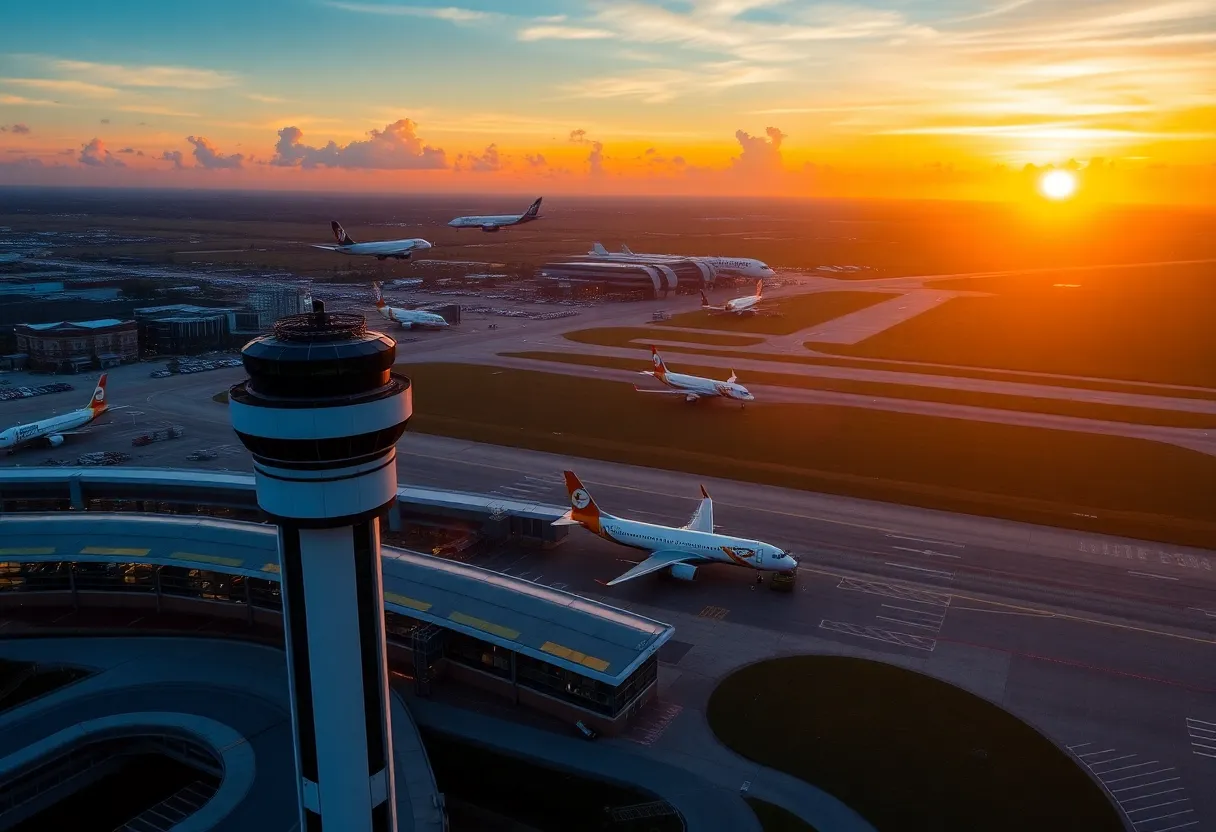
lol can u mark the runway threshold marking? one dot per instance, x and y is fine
(1203, 737)
(1032, 610)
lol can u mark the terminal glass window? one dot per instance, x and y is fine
(637, 682)
(565, 684)
(399, 628)
(478, 654)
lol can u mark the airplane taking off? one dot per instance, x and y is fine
(408, 318)
(738, 306)
(734, 266)
(397, 249)
(493, 223)
(693, 388)
(678, 550)
(52, 431)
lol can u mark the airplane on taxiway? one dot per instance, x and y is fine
(397, 249)
(738, 306)
(677, 550)
(408, 318)
(51, 432)
(693, 388)
(497, 221)
(732, 266)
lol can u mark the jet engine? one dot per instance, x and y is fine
(54, 440)
(489, 229)
(405, 256)
(683, 572)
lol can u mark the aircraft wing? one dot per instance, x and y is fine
(657, 561)
(685, 393)
(703, 518)
(326, 248)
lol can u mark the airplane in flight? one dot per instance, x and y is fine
(51, 432)
(397, 249)
(408, 318)
(738, 306)
(495, 222)
(677, 550)
(693, 388)
(733, 266)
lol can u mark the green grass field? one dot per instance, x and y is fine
(906, 751)
(999, 401)
(624, 336)
(796, 313)
(775, 819)
(1135, 488)
(1150, 324)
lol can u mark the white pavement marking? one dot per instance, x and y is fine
(924, 540)
(933, 628)
(899, 591)
(879, 634)
(1130, 791)
(939, 572)
(1151, 575)
(1203, 737)
(929, 552)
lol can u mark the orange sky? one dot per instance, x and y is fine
(903, 98)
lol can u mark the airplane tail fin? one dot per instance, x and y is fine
(660, 369)
(582, 506)
(704, 299)
(760, 288)
(98, 403)
(625, 249)
(340, 233)
(379, 296)
(533, 209)
(598, 249)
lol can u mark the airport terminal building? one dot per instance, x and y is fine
(176, 543)
(71, 346)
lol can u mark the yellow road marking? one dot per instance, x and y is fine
(29, 550)
(486, 626)
(574, 656)
(406, 601)
(1042, 612)
(216, 559)
(106, 550)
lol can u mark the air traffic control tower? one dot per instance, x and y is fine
(321, 413)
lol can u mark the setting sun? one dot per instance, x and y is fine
(1058, 184)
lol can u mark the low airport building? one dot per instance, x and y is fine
(274, 302)
(72, 346)
(112, 539)
(184, 329)
(689, 271)
(653, 281)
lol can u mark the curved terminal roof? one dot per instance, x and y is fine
(589, 638)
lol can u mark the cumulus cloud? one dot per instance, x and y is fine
(19, 128)
(488, 161)
(127, 150)
(95, 155)
(761, 154)
(535, 160)
(174, 156)
(396, 147)
(596, 159)
(209, 158)
(579, 137)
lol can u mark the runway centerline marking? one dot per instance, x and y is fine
(924, 540)
(929, 552)
(1152, 575)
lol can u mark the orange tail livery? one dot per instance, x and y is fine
(98, 404)
(583, 510)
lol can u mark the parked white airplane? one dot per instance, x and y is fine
(693, 388)
(408, 318)
(52, 431)
(679, 550)
(397, 249)
(495, 222)
(738, 306)
(734, 266)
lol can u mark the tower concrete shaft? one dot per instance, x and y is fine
(321, 413)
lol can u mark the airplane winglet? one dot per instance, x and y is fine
(704, 493)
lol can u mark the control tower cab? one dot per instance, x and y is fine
(321, 413)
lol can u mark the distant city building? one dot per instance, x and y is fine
(184, 329)
(72, 346)
(274, 302)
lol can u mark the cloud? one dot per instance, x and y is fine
(17, 100)
(64, 86)
(156, 110)
(209, 158)
(656, 86)
(535, 160)
(551, 32)
(174, 156)
(105, 121)
(486, 162)
(595, 160)
(21, 129)
(127, 150)
(265, 99)
(168, 77)
(579, 136)
(396, 147)
(95, 155)
(451, 14)
(761, 154)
